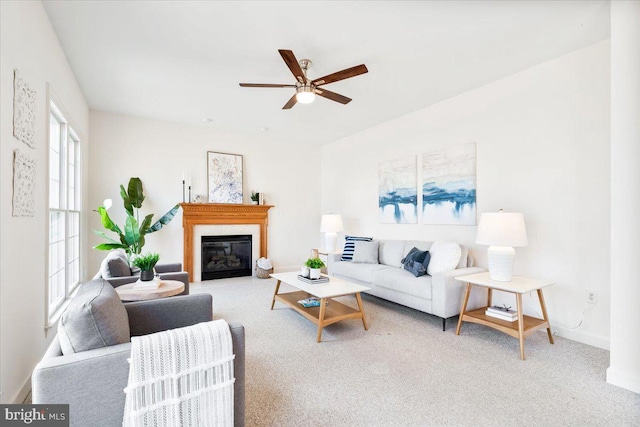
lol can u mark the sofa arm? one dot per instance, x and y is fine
(91, 382)
(447, 292)
(147, 317)
(168, 268)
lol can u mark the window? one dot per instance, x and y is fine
(64, 209)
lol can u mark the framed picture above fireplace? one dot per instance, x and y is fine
(224, 177)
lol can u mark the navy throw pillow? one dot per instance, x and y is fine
(414, 262)
(350, 245)
(415, 254)
(415, 268)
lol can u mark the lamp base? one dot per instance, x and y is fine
(501, 262)
(330, 240)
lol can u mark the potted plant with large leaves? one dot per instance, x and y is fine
(132, 236)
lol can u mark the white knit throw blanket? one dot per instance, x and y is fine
(181, 377)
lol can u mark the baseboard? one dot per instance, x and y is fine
(583, 337)
(286, 269)
(24, 391)
(623, 380)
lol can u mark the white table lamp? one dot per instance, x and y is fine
(331, 224)
(501, 231)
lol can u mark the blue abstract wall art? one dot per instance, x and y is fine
(449, 186)
(397, 192)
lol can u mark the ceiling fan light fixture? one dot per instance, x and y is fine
(305, 94)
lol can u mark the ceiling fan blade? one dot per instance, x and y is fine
(341, 75)
(292, 63)
(333, 96)
(291, 102)
(264, 85)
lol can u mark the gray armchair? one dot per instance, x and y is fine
(121, 274)
(92, 381)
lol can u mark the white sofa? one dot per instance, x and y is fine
(439, 295)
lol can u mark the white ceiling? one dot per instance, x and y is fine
(182, 60)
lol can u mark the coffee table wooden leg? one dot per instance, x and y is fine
(544, 314)
(489, 295)
(323, 304)
(361, 308)
(520, 324)
(465, 299)
(273, 300)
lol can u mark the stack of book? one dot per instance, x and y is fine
(502, 313)
(310, 302)
(149, 284)
(322, 279)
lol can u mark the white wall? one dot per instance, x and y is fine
(625, 194)
(158, 152)
(27, 42)
(542, 149)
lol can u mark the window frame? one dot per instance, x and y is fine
(68, 138)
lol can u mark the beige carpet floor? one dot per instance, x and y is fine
(404, 371)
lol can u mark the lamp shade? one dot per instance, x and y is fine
(331, 223)
(502, 229)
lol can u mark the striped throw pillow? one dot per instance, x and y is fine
(349, 246)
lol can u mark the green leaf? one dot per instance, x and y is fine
(106, 221)
(166, 219)
(146, 224)
(136, 195)
(127, 201)
(101, 234)
(109, 246)
(132, 232)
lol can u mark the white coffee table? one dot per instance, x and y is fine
(329, 311)
(167, 288)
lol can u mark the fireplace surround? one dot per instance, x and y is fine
(194, 214)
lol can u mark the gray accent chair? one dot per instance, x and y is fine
(92, 381)
(166, 271)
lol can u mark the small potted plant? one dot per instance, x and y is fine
(255, 197)
(315, 265)
(146, 263)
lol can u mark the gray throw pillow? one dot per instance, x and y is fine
(95, 318)
(365, 252)
(115, 264)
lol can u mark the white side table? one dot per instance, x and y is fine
(521, 328)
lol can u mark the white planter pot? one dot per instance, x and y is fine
(314, 273)
(304, 271)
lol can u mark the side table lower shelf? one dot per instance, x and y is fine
(531, 324)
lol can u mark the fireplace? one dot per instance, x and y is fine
(226, 256)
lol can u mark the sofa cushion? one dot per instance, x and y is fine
(349, 245)
(418, 244)
(445, 256)
(94, 318)
(400, 280)
(360, 272)
(463, 257)
(365, 252)
(115, 264)
(391, 252)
